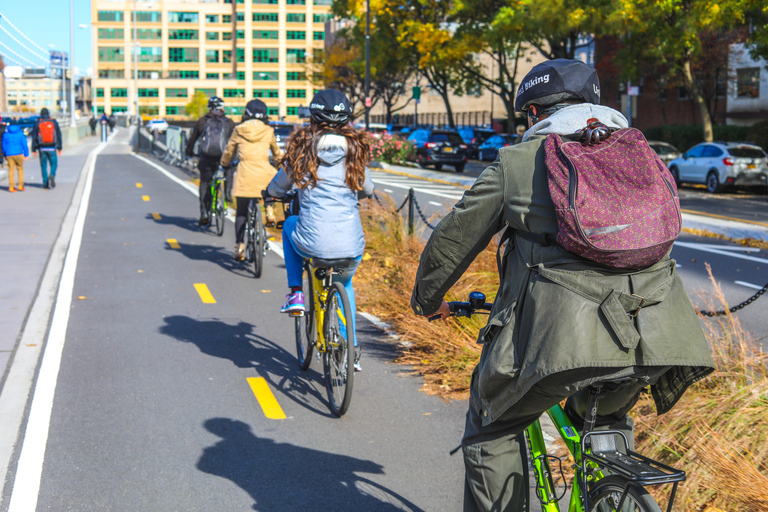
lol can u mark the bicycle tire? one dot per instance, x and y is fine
(258, 246)
(605, 494)
(339, 356)
(250, 238)
(305, 325)
(220, 209)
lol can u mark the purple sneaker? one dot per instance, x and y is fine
(295, 302)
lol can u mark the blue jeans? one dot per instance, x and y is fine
(45, 157)
(294, 261)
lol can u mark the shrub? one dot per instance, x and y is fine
(758, 133)
(392, 150)
(684, 136)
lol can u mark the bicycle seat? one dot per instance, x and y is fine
(322, 263)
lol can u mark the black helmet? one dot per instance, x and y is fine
(255, 109)
(330, 106)
(215, 103)
(558, 80)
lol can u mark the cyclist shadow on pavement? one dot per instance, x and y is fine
(218, 255)
(187, 223)
(282, 476)
(239, 344)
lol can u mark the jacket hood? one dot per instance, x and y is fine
(14, 128)
(254, 130)
(332, 149)
(572, 119)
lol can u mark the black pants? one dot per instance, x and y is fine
(242, 217)
(207, 167)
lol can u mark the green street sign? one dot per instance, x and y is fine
(417, 93)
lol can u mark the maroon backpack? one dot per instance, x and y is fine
(615, 200)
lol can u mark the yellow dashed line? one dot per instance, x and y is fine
(146, 198)
(156, 216)
(139, 185)
(173, 243)
(205, 294)
(266, 398)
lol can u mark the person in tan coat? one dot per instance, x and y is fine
(250, 145)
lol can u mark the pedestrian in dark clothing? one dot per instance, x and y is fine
(112, 122)
(2, 132)
(92, 123)
(213, 130)
(16, 151)
(46, 141)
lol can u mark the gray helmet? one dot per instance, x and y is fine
(558, 80)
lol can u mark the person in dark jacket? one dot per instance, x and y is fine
(16, 151)
(2, 132)
(112, 121)
(209, 161)
(92, 123)
(47, 148)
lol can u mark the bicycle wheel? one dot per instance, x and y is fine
(219, 210)
(339, 356)
(250, 241)
(258, 245)
(305, 325)
(606, 494)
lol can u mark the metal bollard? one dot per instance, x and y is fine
(410, 211)
(103, 132)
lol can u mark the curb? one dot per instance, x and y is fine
(423, 174)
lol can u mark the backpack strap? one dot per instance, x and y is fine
(538, 238)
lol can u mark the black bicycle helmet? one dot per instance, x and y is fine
(255, 109)
(558, 80)
(330, 106)
(215, 103)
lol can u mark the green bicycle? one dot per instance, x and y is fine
(609, 477)
(218, 209)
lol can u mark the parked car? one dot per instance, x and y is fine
(282, 132)
(489, 150)
(720, 164)
(667, 152)
(473, 137)
(158, 125)
(436, 148)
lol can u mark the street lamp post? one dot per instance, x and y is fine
(135, 67)
(71, 64)
(367, 62)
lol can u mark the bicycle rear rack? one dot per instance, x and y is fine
(637, 469)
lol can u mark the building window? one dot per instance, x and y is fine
(234, 111)
(321, 18)
(296, 93)
(111, 33)
(230, 1)
(292, 111)
(111, 73)
(183, 55)
(145, 73)
(148, 16)
(748, 83)
(273, 111)
(227, 36)
(99, 92)
(119, 92)
(149, 93)
(295, 34)
(293, 17)
(226, 55)
(270, 2)
(318, 35)
(322, 2)
(212, 36)
(100, 109)
(265, 16)
(234, 93)
(110, 16)
(150, 54)
(296, 2)
(318, 55)
(183, 74)
(176, 93)
(265, 34)
(295, 76)
(207, 92)
(296, 56)
(111, 54)
(682, 94)
(211, 56)
(239, 76)
(265, 55)
(211, 18)
(149, 33)
(183, 34)
(265, 93)
(149, 110)
(227, 18)
(265, 75)
(172, 111)
(182, 17)
(211, 76)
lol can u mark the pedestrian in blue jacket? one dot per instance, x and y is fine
(16, 151)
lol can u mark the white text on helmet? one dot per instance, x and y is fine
(533, 81)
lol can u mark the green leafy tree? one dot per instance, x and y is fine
(197, 106)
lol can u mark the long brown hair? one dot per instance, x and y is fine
(300, 160)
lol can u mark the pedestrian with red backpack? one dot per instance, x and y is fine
(46, 141)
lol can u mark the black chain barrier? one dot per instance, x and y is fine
(737, 307)
(418, 209)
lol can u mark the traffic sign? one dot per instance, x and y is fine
(58, 59)
(417, 93)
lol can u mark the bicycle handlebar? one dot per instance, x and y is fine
(467, 309)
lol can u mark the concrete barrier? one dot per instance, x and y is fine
(72, 135)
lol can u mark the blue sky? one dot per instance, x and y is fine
(47, 22)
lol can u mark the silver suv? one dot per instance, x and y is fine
(720, 164)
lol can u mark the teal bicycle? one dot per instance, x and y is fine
(608, 476)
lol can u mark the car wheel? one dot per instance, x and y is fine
(713, 183)
(438, 167)
(676, 175)
(460, 168)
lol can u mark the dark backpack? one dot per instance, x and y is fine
(46, 133)
(615, 200)
(213, 140)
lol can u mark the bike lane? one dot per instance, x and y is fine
(153, 408)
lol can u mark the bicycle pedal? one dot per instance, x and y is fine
(296, 313)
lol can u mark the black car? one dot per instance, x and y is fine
(437, 148)
(473, 137)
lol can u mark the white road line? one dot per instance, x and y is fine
(698, 247)
(388, 190)
(435, 203)
(749, 285)
(420, 189)
(26, 485)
